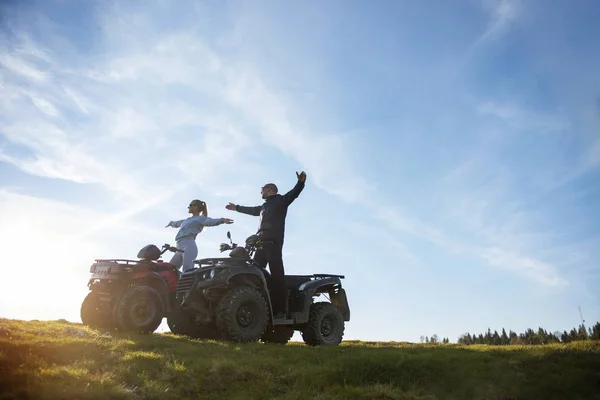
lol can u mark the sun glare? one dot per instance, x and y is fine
(55, 268)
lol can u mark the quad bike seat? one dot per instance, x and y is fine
(293, 281)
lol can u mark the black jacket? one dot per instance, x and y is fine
(272, 213)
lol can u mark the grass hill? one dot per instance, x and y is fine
(62, 360)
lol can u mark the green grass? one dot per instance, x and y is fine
(60, 360)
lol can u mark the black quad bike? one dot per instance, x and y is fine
(228, 298)
(131, 295)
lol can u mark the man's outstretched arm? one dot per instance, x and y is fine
(290, 196)
(244, 210)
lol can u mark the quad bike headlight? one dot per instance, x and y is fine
(209, 274)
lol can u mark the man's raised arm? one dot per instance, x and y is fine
(296, 190)
(243, 209)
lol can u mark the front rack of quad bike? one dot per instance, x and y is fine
(116, 263)
(215, 262)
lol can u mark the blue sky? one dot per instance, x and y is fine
(452, 149)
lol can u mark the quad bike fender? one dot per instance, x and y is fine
(332, 286)
(251, 277)
(338, 298)
(155, 281)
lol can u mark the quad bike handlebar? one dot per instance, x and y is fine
(167, 247)
(253, 243)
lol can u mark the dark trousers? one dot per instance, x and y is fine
(271, 253)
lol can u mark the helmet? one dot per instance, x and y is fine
(149, 252)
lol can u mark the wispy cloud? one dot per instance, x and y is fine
(522, 265)
(121, 127)
(22, 68)
(593, 155)
(502, 14)
(204, 111)
(519, 119)
(471, 245)
(326, 156)
(333, 171)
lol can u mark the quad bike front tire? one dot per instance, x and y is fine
(184, 323)
(325, 325)
(139, 309)
(93, 315)
(180, 322)
(242, 315)
(277, 335)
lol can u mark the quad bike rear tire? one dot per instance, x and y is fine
(242, 315)
(93, 315)
(277, 335)
(139, 309)
(325, 325)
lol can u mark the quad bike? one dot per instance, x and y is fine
(131, 295)
(228, 298)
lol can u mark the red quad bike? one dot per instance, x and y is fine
(131, 295)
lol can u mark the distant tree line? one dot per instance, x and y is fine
(532, 337)
(434, 339)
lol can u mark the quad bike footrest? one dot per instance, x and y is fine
(283, 322)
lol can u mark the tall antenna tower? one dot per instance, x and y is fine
(585, 333)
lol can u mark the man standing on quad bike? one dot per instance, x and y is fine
(271, 230)
(189, 229)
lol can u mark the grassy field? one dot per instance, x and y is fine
(61, 360)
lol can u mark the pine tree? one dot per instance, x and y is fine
(488, 337)
(504, 338)
(496, 338)
(595, 332)
(582, 332)
(542, 336)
